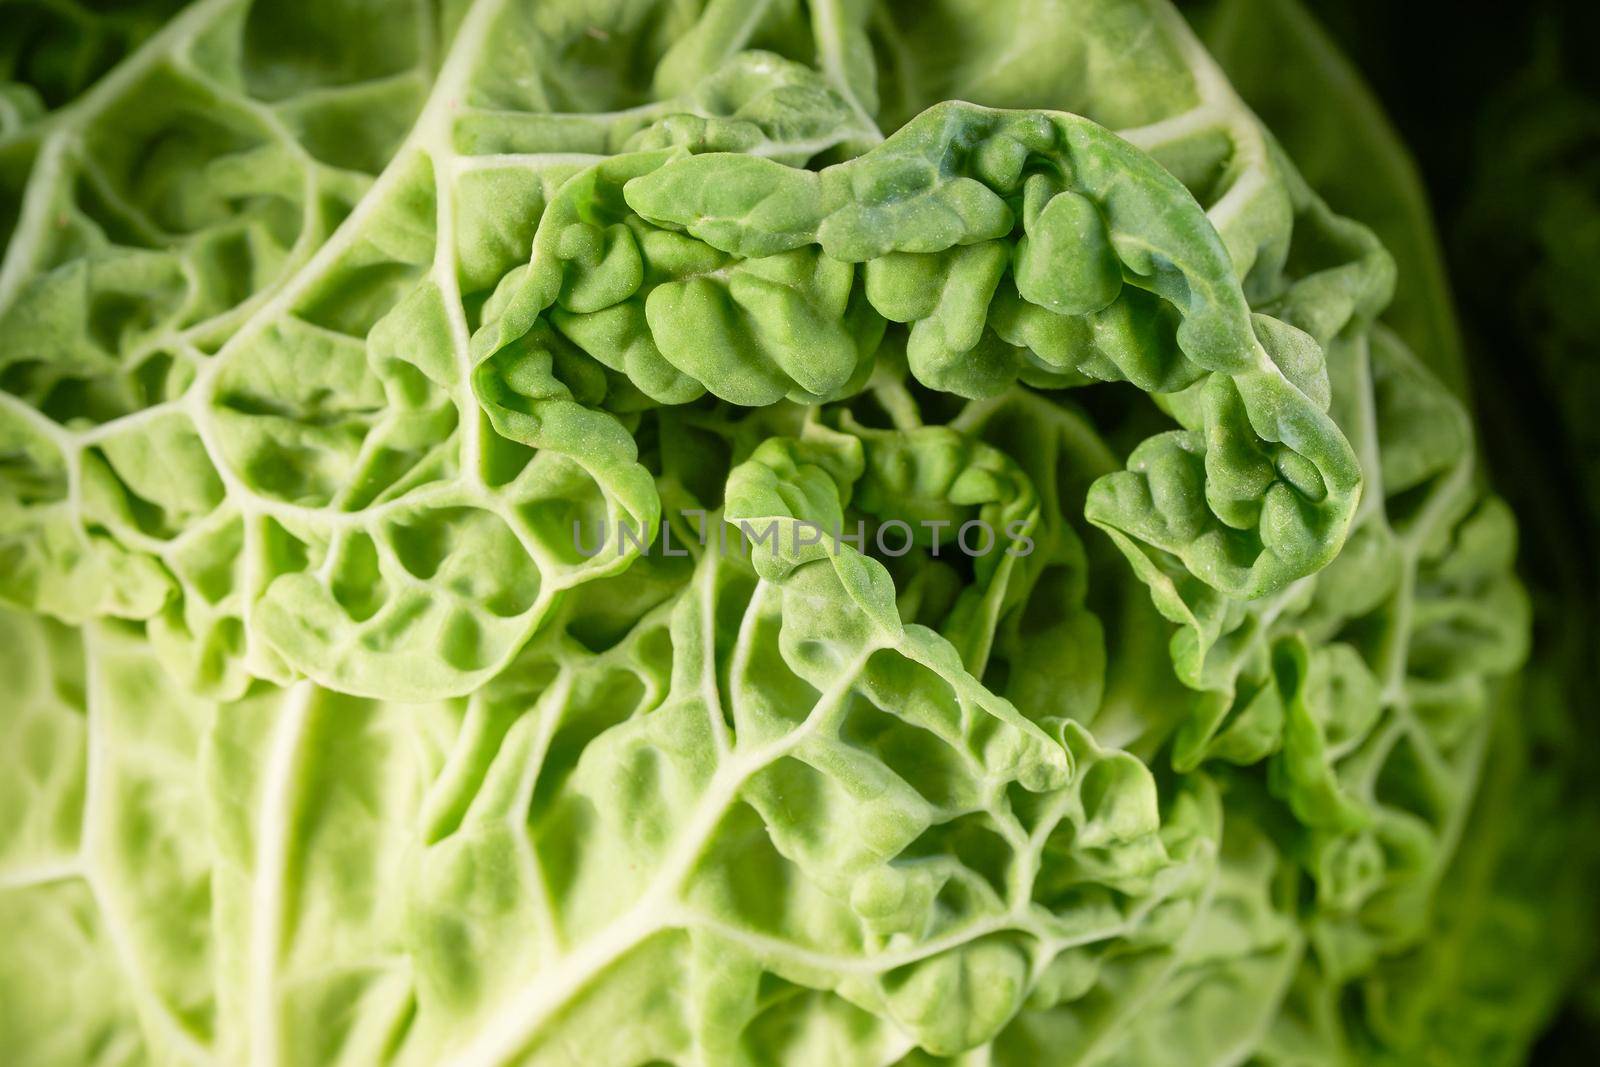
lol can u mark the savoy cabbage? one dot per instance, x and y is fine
(700, 532)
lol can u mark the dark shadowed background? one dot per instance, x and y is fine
(1502, 114)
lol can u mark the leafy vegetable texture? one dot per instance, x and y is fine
(716, 532)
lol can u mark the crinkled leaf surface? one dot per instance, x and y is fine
(486, 500)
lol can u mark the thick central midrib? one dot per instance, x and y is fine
(272, 831)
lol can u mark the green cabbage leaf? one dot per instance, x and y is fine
(638, 532)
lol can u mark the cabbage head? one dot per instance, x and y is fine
(626, 533)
